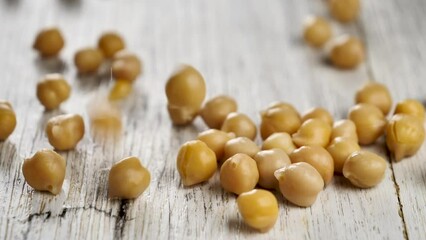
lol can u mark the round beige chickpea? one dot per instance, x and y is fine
(279, 120)
(282, 105)
(185, 91)
(240, 145)
(375, 93)
(405, 135)
(318, 113)
(344, 10)
(7, 120)
(282, 141)
(300, 183)
(65, 131)
(364, 169)
(216, 140)
(110, 43)
(340, 149)
(53, 90)
(268, 161)
(317, 31)
(126, 66)
(347, 52)
(45, 171)
(369, 121)
(196, 163)
(259, 209)
(216, 109)
(239, 174)
(88, 60)
(313, 132)
(344, 128)
(240, 124)
(128, 179)
(411, 107)
(49, 42)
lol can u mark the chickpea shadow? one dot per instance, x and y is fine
(12, 3)
(235, 226)
(71, 3)
(8, 154)
(343, 183)
(50, 64)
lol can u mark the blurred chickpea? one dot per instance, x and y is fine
(376, 94)
(7, 120)
(411, 107)
(268, 161)
(52, 90)
(240, 124)
(347, 52)
(126, 66)
(49, 42)
(240, 145)
(239, 174)
(279, 120)
(369, 121)
(318, 113)
(313, 132)
(282, 141)
(110, 43)
(364, 169)
(340, 149)
(344, 128)
(121, 89)
(88, 60)
(216, 109)
(344, 10)
(317, 31)
(216, 140)
(65, 131)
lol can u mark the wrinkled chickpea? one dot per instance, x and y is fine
(347, 52)
(411, 107)
(317, 31)
(268, 161)
(375, 93)
(240, 145)
(185, 92)
(344, 10)
(405, 135)
(318, 157)
(279, 120)
(65, 131)
(110, 43)
(318, 113)
(121, 89)
(344, 128)
(240, 124)
(196, 163)
(364, 169)
(340, 149)
(259, 209)
(313, 132)
(216, 140)
(88, 60)
(369, 121)
(239, 174)
(45, 171)
(49, 42)
(216, 109)
(53, 90)
(128, 179)
(300, 183)
(7, 120)
(282, 141)
(126, 66)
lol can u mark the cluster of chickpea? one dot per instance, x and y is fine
(300, 153)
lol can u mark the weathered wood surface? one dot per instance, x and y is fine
(250, 49)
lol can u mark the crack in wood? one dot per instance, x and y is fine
(121, 219)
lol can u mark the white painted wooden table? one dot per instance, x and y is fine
(250, 49)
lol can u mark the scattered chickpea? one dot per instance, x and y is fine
(268, 161)
(282, 105)
(340, 149)
(121, 89)
(317, 31)
(300, 183)
(282, 141)
(347, 52)
(105, 118)
(239, 174)
(53, 90)
(65, 131)
(369, 121)
(216, 109)
(318, 157)
(377, 94)
(49, 42)
(240, 124)
(259, 209)
(344, 10)
(344, 128)
(279, 120)
(128, 179)
(313, 132)
(45, 171)
(126, 66)
(196, 163)
(185, 92)
(405, 135)
(318, 113)
(216, 140)
(110, 43)
(364, 169)
(240, 145)
(7, 120)
(88, 60)
(411, 107)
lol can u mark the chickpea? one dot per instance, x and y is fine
(318, 157)
(282, 105)
(376, 94)
(65, 131)
(7, 120)
(196, 162)
(121, 89)
(347, 52)
(240, 124)
(405, 135)
(216, 109)
(49, 42)
(268, 161)
(185, 92)
(239, 174)
(369, 121)
(279, 120)
(344, 10)
(45, 171)
(105, 118)
(126, 66)
(318, 113)
(259, 209)
(216, 140)
(313, 132)
(240, 145)
(317, 31)
(282, 141)
(53, 90)
(364, 169)
(88, 60)
(300, 183)
(128, 179)
(411, 107)
(340, 149)
(344, 128)
(110, 43)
